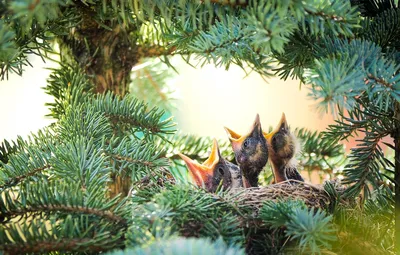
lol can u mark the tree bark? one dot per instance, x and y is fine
(107, 57)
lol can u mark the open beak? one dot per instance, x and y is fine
(199, 173)
(282, 126)
(237, 140)
(214, 156)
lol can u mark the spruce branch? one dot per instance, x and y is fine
(310, 227)
(226, 43)
(63, 244)
(52, 198)
(228, 2)
(320, 151)
(181, 246)
(69, 86)
(149, 51)
(29, 210)
(195, 147)
(129, 113)
(82, 121)
(363, 168)
(339, 81)
(188, 209)
(268, 25)
(6, 149)
(68, 235)
(29, 32)
(371, 228)
(346, 126)
(26, 158)
(382, 28)
(298, 55)
(135, 158)
(10, 182)
(380, 80)
(21, 166)
(339, 17)
(131, 160)
(151, 83)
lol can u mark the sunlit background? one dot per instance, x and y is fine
(22, 100)
(207, 99)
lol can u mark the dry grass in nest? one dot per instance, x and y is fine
(312, 195)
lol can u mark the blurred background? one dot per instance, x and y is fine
(202, 100)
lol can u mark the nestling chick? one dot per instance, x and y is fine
(251, 152)
(283, 147)
(214, 171)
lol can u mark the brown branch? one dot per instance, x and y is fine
(154, 51)
(17, 179)
(56, 245)
(155, 85)
(211, 50)
(74, 209)
(114, 118)
(131, 160)
(146, 179)
(326, 16)
(228, 2)
(380, 80)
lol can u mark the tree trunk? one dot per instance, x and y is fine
(107, 56)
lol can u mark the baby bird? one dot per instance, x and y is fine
(214, 171)
(251, 152)
(283, 147)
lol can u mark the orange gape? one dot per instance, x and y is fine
(202, 173)
(214, 171)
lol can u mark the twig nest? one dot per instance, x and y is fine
(312, 195)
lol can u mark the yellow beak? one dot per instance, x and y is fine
(201, 173)
(214, 156)
(281, 126)
(236, 139)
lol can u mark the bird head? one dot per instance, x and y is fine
(251, 150)
(282, 144)
(212, 172)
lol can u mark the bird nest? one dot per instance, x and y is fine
(312, 195)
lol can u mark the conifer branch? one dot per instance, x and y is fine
(323, 15)
(149, 51)
(107, 215)
(63, 244)
(228, 2)
(363, 167)
(132, 160)
(380, 80)
(131, 113)
(155, 85)
(13, 181)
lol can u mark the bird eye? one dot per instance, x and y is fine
(246, 143)
(221, 170)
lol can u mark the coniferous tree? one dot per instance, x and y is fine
(55, 186)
